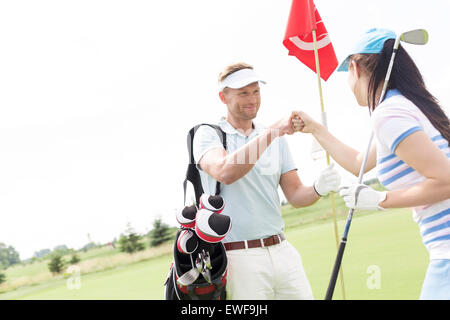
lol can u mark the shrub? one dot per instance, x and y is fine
(56, 264)
(75, 259)
(159, 234)
(130, 242)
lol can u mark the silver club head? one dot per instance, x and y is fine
(418, 36)
(189, 277)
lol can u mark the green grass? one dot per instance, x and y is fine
(142, 280)
(388, 240)
(320, 212)
(41, 266)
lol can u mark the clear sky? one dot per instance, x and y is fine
(96, 98)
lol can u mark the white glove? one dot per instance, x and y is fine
(329, 180)
(360, 196)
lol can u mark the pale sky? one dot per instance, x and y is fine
(96, 98)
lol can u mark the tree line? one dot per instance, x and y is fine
(130, 241)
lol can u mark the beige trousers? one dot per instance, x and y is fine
(270, 273)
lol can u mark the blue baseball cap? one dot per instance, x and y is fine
(372, 41)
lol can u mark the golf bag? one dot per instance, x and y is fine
(199, 268)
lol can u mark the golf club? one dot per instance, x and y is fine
(418, 37)
(207, 260)
(190, 276)
(199, 263)
(206, 270)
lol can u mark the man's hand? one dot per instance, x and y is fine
(329, 180)
(284, 126)
(360, 196)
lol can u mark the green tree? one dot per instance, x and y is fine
(8, 256)
(56, 264)
(130, 241)
(75, 259)
(2, 278)
(160, 233)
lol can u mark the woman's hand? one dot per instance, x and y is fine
(360, 196)
(303, 122)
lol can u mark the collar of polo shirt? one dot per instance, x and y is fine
(228, 128)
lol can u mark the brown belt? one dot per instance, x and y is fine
(257, 243)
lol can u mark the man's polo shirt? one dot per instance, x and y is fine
(252, 202)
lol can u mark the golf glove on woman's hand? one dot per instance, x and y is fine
(360, 196)
(329, 180)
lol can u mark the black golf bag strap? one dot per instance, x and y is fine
(192, 173)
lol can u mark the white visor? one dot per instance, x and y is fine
(240, 79)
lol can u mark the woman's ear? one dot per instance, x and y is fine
(354, 67)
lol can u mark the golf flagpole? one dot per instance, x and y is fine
(324, 122)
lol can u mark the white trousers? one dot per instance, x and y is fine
(270, 273)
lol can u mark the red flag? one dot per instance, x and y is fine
(298, 39)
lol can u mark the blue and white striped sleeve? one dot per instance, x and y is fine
(392, 125)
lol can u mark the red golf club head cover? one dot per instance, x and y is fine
(212, 227)
(212, 203)
(187, 241)
(187, 216)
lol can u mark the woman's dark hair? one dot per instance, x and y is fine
(406, 78)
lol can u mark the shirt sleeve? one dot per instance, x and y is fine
(287, 163)
(205, 139)
(392, 125)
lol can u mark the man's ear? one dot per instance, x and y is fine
(222, 97)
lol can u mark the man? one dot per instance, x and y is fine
(262, 263)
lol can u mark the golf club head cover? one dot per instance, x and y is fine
(212, 227)
(187, 241)
(212, 203)
(187, 216)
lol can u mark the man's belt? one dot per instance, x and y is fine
(257, 243)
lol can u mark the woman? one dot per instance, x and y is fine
(411, 152)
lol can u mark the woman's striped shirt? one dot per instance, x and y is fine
(394, 120)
